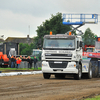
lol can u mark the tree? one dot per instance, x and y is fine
(26, 49)
(54, 24)
(89, 37)
(36, 42)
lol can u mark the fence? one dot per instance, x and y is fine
(24, 64)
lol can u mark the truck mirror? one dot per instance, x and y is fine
(77, 44)
(81, 43)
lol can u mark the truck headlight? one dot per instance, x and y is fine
(72, 65)
(44, 64)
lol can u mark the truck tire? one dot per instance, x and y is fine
(89, 75)
(79, 75)
(46, 75)
(95, 71)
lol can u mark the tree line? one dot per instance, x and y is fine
(55, 25)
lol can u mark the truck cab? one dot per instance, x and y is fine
(61, 55)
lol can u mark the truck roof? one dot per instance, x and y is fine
(60, 36)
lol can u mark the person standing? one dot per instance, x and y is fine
(12, 61)
(20, 57)
(18, 61)
(30, 61)
(24, 61)
(35, 62)
(15, 65)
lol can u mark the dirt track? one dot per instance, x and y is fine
(34, 87)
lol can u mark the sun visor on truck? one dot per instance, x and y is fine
(60, 36)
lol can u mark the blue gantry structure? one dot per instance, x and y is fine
(80, 19)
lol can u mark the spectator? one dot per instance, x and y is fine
(18, 61)
(15, 62)
(35, 62)
(20, 57)
(29, 62)
(12, 61)
(23, 57)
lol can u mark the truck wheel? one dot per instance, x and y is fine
(46, 75)
(95, 71)
(79, 75)
(89, 75)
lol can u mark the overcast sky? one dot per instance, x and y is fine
(17, 15)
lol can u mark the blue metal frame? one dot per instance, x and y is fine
(79, 19)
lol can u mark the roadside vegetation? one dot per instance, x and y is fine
(19, 69)
(94, 98)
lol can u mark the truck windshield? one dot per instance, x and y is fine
(60, 43)
(89, 49)
(36, 53)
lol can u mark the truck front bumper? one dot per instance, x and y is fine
(69, 69)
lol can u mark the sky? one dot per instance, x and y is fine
(19, 18)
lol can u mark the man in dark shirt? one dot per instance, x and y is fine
(35, 61)
(29, 60)
(12, 61)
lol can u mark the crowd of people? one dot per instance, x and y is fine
(16, 61)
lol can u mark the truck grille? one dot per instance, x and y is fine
(64, 55)
(58, 65)
(58, 56)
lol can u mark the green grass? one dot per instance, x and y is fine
(95, 98)
(15, 69)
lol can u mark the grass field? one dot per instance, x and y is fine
(19, 69)
(95, 98)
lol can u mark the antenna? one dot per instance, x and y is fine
(29, 30)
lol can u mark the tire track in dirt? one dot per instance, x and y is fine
(34, 87)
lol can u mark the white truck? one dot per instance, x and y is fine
(62, 54)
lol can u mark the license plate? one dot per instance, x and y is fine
(57, 62)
